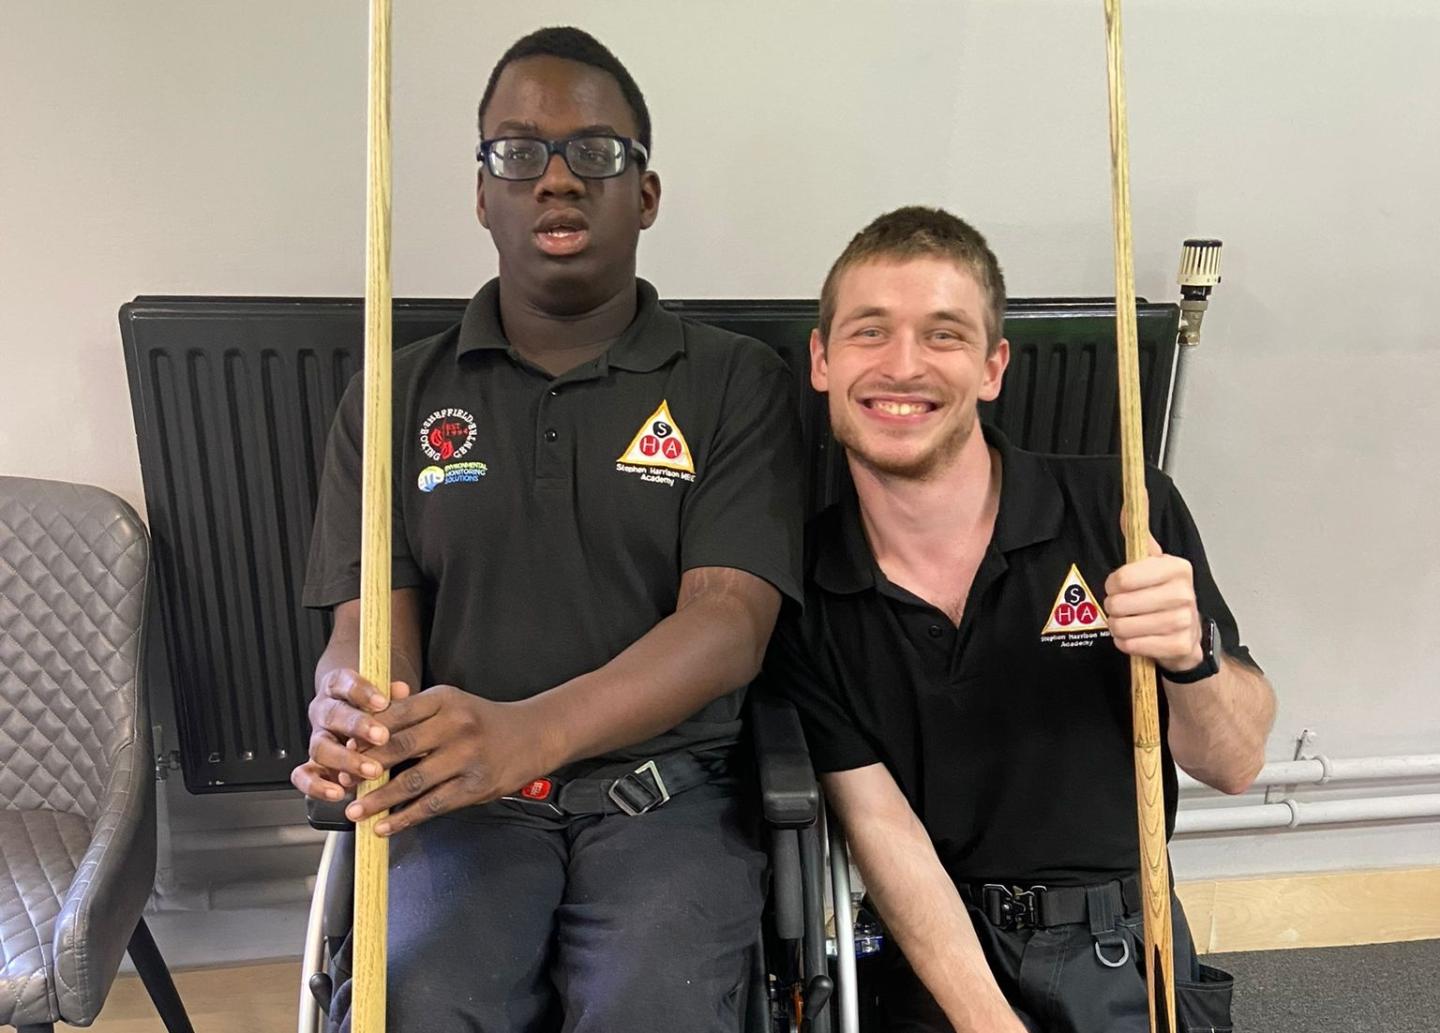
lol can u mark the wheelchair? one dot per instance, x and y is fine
(795, 986)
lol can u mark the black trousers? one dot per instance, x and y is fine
(501, 921)
(1057, 982)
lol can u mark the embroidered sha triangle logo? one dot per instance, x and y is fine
(659, 443)
(1075, 608)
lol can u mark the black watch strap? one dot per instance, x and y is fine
(1209, 664)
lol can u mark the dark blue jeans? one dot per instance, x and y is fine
(502, 921)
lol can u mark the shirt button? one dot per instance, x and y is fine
(551, 434)
(936, 631)
(554, 391)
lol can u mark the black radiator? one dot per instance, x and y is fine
(233, 398)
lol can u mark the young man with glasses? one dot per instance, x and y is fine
(596, 515)
(965, 693)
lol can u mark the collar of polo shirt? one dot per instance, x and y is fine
(653, 338)
(1031, 510)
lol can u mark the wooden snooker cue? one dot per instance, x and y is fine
(372, 853)
(1149, 783)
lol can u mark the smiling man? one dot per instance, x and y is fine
(596, 514)
(965, 693)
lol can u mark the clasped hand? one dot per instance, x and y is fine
(1151, 609)
(468, 750)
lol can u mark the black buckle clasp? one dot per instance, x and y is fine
(640, 791)
(1011, 907)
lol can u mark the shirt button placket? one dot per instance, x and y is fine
(550, 451)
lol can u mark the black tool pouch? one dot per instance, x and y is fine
(1204, 1006)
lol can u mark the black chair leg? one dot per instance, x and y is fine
(156, 977)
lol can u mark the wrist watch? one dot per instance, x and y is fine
(1209, 664)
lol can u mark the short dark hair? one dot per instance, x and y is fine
(572, 44)
(919, 232)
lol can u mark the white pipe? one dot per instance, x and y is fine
(257, 838)
(171, 895)
(1293, 813)
(164, 856)
(1175, 407)
(847, 986)
(258, 893)
(233, 896)
(166, 884)
(1321, 769)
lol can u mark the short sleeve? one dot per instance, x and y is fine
(745, 509)
(792, 672)
(332, 575)
(1177, 534)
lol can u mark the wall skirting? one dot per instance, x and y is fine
(1327, 909)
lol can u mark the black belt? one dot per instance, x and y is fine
(1041, 907)
(634, 792)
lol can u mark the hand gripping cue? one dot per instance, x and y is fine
(1149, 786)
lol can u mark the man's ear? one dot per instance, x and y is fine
(819, 368)
(480, 199)
(995, 364)
(649, 198)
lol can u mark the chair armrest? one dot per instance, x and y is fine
(340, 890)
(788, 792)
(111, 885)
(329, 815)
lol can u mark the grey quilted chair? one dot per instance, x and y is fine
(77, 789)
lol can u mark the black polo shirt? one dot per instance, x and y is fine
(1011, 735)
(548, 519)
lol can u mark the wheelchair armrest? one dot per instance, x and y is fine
(788, 791)
(340, 890)
(329, 815)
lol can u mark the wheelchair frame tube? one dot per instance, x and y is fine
(786, 882)
(812, 864)
(847, 988)
(308, 1020)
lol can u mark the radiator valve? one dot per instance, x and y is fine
(1199, 273)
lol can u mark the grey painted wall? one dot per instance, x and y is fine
(211, 147)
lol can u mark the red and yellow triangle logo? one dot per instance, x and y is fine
(1075, 608)
(660, 443)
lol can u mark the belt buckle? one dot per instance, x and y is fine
(539, 794)
(1011, 907)
(633, 796)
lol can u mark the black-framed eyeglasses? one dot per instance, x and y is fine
(589, 156)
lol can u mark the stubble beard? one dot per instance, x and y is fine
(918, 467)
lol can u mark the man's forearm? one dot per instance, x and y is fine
(1218, 726)
(710, 646)
(342, 651)
(922, 910)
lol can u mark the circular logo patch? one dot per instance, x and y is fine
(447, 434)
(431, 478)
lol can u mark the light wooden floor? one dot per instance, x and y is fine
(240, 999)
